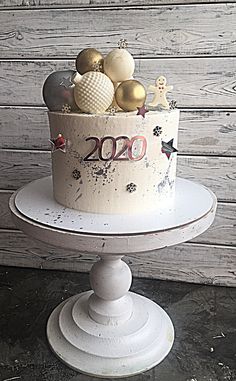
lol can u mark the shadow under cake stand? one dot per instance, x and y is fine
(111, 332)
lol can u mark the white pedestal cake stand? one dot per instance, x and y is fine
(110, 332)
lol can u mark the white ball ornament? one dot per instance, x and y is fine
(94, 92)
(119, 65)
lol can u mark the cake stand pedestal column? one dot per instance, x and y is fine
(110, 331)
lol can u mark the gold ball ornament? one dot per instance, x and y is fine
(94, 92)
(130, 95)
(119, 65)
(88, 60)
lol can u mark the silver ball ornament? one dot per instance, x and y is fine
(58, 90)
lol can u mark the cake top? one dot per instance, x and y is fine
(104, 85)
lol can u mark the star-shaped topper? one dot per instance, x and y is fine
(58, 144)
(167, 148)
(66, 82)
(142, 111)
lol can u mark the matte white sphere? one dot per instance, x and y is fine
(119, 65)
(115, 273)
(94, 92)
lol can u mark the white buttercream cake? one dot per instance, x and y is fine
(120, 163)
(112, 152)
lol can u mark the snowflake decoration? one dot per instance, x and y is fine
(131, 187)
(173, 104)
(66, 109)
(76, 174)
(112, 110)
(97, 66)
(122, 43)
(157, 131)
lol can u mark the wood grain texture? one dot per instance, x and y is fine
(218, 173)
(151, 31)
(32, 4)
(198, 83)
(201, 132)
(186, 262)
(222, 231)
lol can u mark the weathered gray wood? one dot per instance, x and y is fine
(187, 262)
(198, 83)
(222, 231)
(157, 31)
(5, 215)
(201, 132)
(31, 4)
(218, 173)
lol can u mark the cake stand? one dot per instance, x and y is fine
(109, 331)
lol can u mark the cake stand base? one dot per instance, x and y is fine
(106, 350)
(109, 331)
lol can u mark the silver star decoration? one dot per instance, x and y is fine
(122, 43)
(66, 82)
(167, 148)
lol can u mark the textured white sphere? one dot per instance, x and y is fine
(94, 92)
(119, 65)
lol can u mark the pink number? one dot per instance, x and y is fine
(143, 151)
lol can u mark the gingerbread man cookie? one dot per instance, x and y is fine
(160, 90)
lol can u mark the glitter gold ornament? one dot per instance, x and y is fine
(88, 60)
(119, 65)
(94, 92)
(130, 95)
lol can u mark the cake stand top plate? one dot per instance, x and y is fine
(36, 202)
(35, 211)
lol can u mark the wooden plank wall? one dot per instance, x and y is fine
(193, 43)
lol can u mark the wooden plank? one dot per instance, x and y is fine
(196, 263)
(5, 215)
(32, 4)
(218, 173)
(222, 231)
(205, 82)
(202, 132)
(151, 31)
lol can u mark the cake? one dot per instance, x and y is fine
(111, 154)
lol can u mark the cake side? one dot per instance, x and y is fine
(115, 164)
